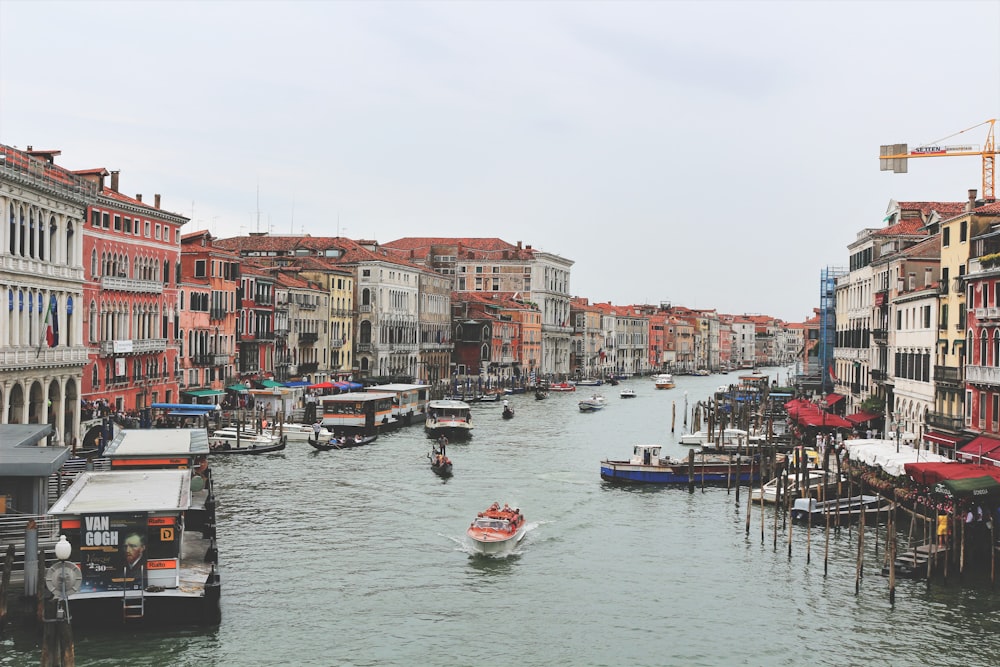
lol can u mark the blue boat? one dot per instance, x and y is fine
(646, 466)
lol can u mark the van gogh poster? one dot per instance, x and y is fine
(112, 552)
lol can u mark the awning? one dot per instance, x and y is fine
(237, 387)
(321, 385)
(298, 383)
(823, 420)
(268, 384)
(973, 486)
(204, 392)
(831, 399)
(942, 439)
(862, 417)
(980, 446)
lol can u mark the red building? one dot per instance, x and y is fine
(255, 323)
(131, 259)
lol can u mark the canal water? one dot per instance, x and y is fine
(358, 557)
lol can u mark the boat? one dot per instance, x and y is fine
(647, 466)
(562, 386)
(592, 404)
(300, 432)
(508, 412)
(664, 381)
(449, 418)
(541, 394)
(814, 479)
(497, 530)
(344, 442)
(731, 437)
(628, 393)
(840, 510)
(440, 463)
(491, 397)
(589, 382)
(227, 440)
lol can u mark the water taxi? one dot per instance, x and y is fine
(497, 530)
(647, 466)
(592, 404)
(409, 403)
(364, 411)
(449, 418)
(663, 381)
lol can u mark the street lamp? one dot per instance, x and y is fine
(897, 425)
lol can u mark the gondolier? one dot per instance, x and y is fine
(317, 427)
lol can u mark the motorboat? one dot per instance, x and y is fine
(562, 386)
(300, 432)
(839, 510)
(731, 437)
(647, 466)
(589, 382)
(449, 418)
(627, 393)
(592, 404)
(344, 441)
(663, 381)
(231, 440)
(821, 484)
(497, 530)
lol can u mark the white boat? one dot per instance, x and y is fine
(840, 510)
(731, 437)
(449, 418)
(496, 531)
(592, 404)
(227, 441)
(814, 479)
(628, 393)
(663, 381)
(300, 432)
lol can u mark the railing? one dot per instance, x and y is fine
(307, 306)
(217, 314)
(989, 375)
(122, 284)
(308, 337)
(138, 346)
(310, 367)
(943, 421)
(265, 335)
(364, 309)
(365, 347)
(989, 313)
(949, 375)
(879, 376)
(42, 357)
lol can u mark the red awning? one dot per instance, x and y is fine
(980, 446)
(824, 420)
(942, 439)
(831, 399)
(321, 385)
(932, 473)
(862, 417)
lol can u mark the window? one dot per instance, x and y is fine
(118, 223)
(199, 268)
(146, 229)
(996, 409)
(157, 232)
(946, 237)
(963, 231)
(128, 225)
(95, 218)
(105, 220)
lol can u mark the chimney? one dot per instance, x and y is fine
(518, 245)
(972, 200)
(156, 201)
(138, 197)
(114, 180)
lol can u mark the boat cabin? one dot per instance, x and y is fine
(107, 516)
(157, 448)
(410, 400)
(646, 455)
(357, 411)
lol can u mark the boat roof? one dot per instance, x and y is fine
(131, 443)
(126, 491)
(353, 396)
(448, 403)
(396, 387)
(651, 448)
(23, 456)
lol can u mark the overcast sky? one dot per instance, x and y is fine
(710, 154)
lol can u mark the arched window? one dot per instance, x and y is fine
(92, 324)
(983, 359)
(996, 347)
(93, 264)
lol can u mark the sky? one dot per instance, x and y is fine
(705, 154)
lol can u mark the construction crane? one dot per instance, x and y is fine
(893, 157)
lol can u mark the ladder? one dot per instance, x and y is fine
(133, 605)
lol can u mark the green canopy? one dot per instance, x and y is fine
(237, 387)
(267, 384)
(205, 392)
(977, 487)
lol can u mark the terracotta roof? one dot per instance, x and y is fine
(907, 227)
(928, 248)
(943, 208)
(464, 247)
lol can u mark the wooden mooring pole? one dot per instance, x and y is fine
(8, 567)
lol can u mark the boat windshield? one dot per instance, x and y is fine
(492, 524)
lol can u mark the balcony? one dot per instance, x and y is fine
(265, 335)
(879, 375)
(307, 306)
(310, 367)
(217, 314)
(308, 337)
(364, 309)
(122, 284)
(365, 347)
(991, 313)
(46, 357)
(949, 376)
(983, 375)
(881, 336)
(135, 346)
(943, 421)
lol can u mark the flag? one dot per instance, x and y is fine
(52, 322)
(833, 376)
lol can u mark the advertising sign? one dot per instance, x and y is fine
(113, 552)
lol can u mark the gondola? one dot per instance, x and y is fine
(508, 412)
(347, 444)
(228, 448)
(440, 463)
(541, 394)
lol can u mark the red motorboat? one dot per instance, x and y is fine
(497, 530)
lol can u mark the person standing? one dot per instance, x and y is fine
(317, 427)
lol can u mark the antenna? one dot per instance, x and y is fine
(258, 208)
(291, 225)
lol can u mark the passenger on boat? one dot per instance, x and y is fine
(357, 437)
(443, 444)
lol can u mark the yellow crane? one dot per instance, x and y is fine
(893, 157)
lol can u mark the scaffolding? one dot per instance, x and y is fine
(828, 324)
